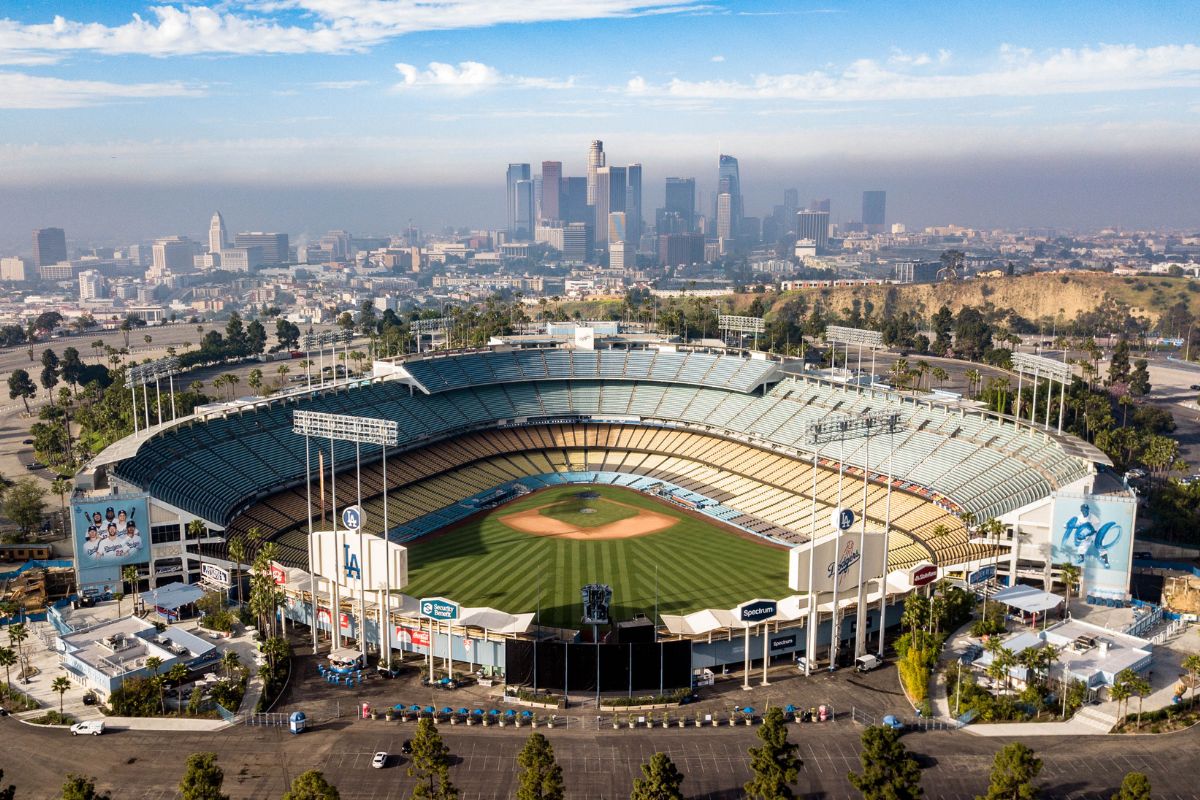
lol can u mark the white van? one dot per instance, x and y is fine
(867, 663)
(95, 727)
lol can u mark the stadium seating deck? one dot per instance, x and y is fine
(241, 469)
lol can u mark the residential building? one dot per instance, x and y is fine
(49, 246)
(62, 271)
(16, 268)
(92, 285)
(621, 256)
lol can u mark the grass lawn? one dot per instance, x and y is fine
(598, 512)
(700, 564)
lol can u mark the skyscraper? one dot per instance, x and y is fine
(610, 197)
(874, 210)
(49, 246)
(618, 227)
(572, 203)
(594, 163)
(216, 233)
(729, 182)
(516, 174)
(820, 205)
(791, 200)
(551, 190)
(633, 203)
(274, 246)
(725, 228)
(523, 225)
(681, 200)
(813, 225)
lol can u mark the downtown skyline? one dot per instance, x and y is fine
(380, 112)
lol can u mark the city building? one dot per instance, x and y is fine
(618, 226)
(62, 271)
(874, 211)
(675, 249)
(729, 182)
(621, 256)
(92, 285)
(610, 197)
(339, 244)
(49, 246)
(814, 225)
(725, 216)
(572, 203)
(594, 163)
(520, 201)
(820, 205)
(577, 243)
(242, 259)
(16, 268)
(216, 233)
(633, 202)
(681, 200)
(173, 254)
(274, 246)
(551, 190)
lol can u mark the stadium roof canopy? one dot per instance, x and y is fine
(1027, 598)
(172, 596)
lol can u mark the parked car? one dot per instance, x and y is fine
(90, 699)
(406, 748)
(380, 760)
(867, 663)
(890, 721)
(94, 727)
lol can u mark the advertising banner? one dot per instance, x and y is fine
(217, 576)
(840, 555)
(412, 636)
(1095, 533)
(111, 532)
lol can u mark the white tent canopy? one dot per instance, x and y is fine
(1027, 598)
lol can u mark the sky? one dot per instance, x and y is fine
(122, 120)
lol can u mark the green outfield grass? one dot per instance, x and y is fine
(700, 564)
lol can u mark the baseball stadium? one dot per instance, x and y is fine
(679, 477)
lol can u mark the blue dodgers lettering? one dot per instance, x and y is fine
(351, 562)
(850, 557)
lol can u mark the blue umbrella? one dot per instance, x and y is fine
(791, 709)
(428, 709)
(399, 707)
(510, 713)
(526, 713)
(447, 710)
(462, 712)
(414, 707)
(747, 710)
(493, 712)
(478, 712)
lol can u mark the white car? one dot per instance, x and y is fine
(379, 761)
(94, 727)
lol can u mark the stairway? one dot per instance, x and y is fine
(1097, 717)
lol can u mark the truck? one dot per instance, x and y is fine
(94, 727)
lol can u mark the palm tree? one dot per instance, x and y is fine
(118, 596)
(1070, 577)
(154, 664)
(177, 674)
(1121, 693)
(230, 661)
(283, 371)
(254, 379)
(1008, 659)
(237, 554)
(940, 375)
(130, 575)
(17, 634)
(973, 377)
(196, 530)
(60, 684)
(61, 487)
(1192, 665)
(8, 658)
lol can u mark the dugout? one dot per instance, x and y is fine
(631, 667)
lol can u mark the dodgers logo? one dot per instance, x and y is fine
(850, 556)
(351, 562)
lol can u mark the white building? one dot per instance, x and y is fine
(15, 268)
(216, 233)
(92, 285)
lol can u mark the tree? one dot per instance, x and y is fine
(1192, 665)
(61, 684)
(311, 785)
(430, 764)
(230, 661)
(256, 337)
(237, 554)
(129, 574)
(72, 367)
(1070, 577)
(541, 778)
(177, 674)
(1139, 379)
(287, 333)
(8, 658)
(1118, 366)
(17, 634)
(77, 787)
(1135, 786)
(1136, 685)
(61, 487)
(1013, 773)
(203, 778)
(23, 504)
(775, 764)
(254, 379)
(889, 772)
(660, 780)
(22, 386)
(118, 596)
(154, 664)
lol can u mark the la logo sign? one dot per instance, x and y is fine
(351, 563)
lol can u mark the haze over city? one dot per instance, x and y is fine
(128, 120)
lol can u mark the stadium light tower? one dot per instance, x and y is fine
(142, 375)
(360, 431)
(1037, 366)
(318, 342)
(836, 334)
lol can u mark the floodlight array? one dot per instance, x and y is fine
(856, 336)
(141, 374)
(732, 322)
(853, 427)
(326, 338)
(430, 325)
(345, 428)
(1039, 365)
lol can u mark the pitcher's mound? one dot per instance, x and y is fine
(535, 522)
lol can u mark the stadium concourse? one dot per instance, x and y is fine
(726, 436)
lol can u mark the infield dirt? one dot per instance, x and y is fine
(533, 521)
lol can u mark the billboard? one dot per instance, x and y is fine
(111, 532)
(1095, 533)
(834, 554)
(359, 562)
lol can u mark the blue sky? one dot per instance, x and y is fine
(378, 93)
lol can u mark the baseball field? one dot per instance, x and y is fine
(552, 542)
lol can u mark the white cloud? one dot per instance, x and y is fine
(19, 90)
(240, 27)
(717, 59)
(1018, 73)
(341, 85)
(470, 76)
